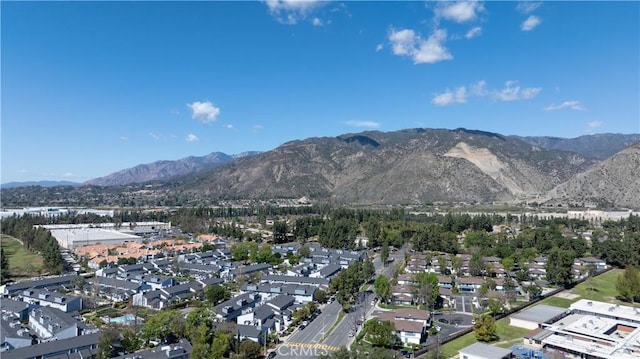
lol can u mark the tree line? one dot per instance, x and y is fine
(37, 239)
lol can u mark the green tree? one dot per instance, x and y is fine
(380, 333)
(4, 266)
(476, 265)
(496, 305)
(558, 266)
(264, 254)
(130, 340)
(384, 253)
(105, 345)
(383, 288)
(485, 328)
(167, 326)
(249, 349)
(427, 291)
(320, 296)
(304, 252)
(220, 344)
(628, 284)
(216, 294)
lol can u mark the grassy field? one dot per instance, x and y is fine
(558, 302)
(22, 262)
(601, 288)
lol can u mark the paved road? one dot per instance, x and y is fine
(316, 329)
(463, 303)
(363, 307)
(306, 343)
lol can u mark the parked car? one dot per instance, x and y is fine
(302, 326)
(442, 320)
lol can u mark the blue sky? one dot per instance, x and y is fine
(92, 88)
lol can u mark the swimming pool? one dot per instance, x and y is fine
(123, 319)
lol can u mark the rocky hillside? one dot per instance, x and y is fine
(614, 182)
(162, 170)
(598, 146)
(409, 166)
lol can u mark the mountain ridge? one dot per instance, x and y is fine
(165, 169)
(409, 166)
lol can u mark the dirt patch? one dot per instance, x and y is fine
(487, 162)
(567, 295)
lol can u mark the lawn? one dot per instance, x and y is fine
(601, 288)
(22, 262)
(559, 302)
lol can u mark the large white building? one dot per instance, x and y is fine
(595, 330)
(73, 235)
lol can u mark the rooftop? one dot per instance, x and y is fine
(486, 351)
(540, 313)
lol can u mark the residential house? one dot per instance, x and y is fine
(15, 309)
(469, 284)
(56, 300)
(84, 346)
(241, 304)
(599, 264)
(402, 295)
(12, 334)
(54, 324)
(53, 283)
(410, 324)
(250, 332)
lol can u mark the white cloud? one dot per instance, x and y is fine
(317, 22)
(191, 138)
(124, 138)
(594, 124)
(476, 31)
(154, 136)
(22, 171)
(450, 97)
(68, 174)
(527, 7)
(530, 23)
(459, 11)
(379, 47)
(407, 43)
(229, 126)
(257, 127)
(478, 89)
(205, 112)
(175, 111)
(357, 123)
(292, 11)
(513, 92)
(574, 105)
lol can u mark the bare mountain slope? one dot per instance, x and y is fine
(162, 170)
(599, 146)
(409, 166)
(614, 182)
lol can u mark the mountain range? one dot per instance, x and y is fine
(413, 166)
(161, 170)
(39, 183)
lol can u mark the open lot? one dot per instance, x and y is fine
(22, 262)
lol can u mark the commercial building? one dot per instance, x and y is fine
(594, 330)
